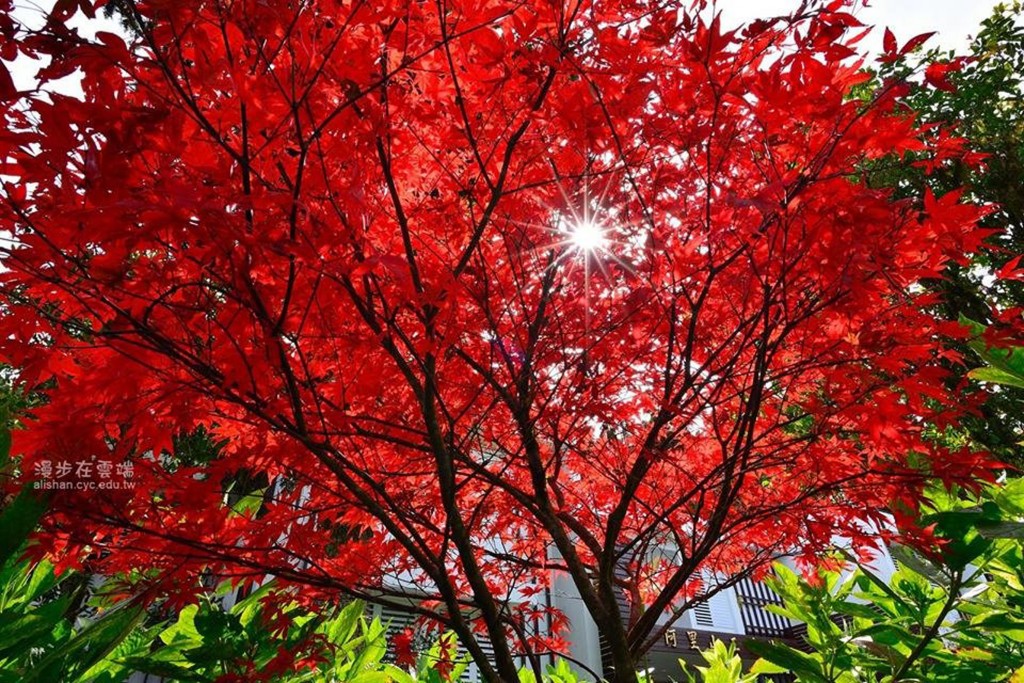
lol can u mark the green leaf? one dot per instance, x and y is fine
(113, 668)
(888, 634)
(184, 629)
(763, 666)
(213, 623)
(41, 580)
(883, 586)
(376, 677)
(92, 643)
(397, 675)
(248, 504)
(910, 558)
(999, 621)
(997, 376)
(1009, 359)
(527, 676)
(157, 667)
(17, 521)
(790, 659)
(859, 610)
(1010, 497)
(342, 628)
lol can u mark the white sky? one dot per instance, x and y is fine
(954, 20)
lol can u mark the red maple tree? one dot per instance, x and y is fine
(480, 291)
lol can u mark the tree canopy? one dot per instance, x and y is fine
(459, 294)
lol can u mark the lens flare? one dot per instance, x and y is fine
(588, 235)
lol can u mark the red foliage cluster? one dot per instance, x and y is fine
(337, 235)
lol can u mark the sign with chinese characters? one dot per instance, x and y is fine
(83, 475)
(692, 640)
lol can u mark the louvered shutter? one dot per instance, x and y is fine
(397, 620)
(719, 613)
(472, 673)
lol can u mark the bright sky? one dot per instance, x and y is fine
(954, 20)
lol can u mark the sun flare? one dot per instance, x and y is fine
(588, 235)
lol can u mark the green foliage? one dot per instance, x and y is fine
(442, 661)
(813, 604)
(266, 637)
(260, 639)
(980, 101)
(954, 615)
(724, 665)
(40, 637)
(1003, 366)
(560, 672)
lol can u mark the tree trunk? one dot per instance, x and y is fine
(623, 669)
(619, 659)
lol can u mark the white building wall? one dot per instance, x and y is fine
(584, 644)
